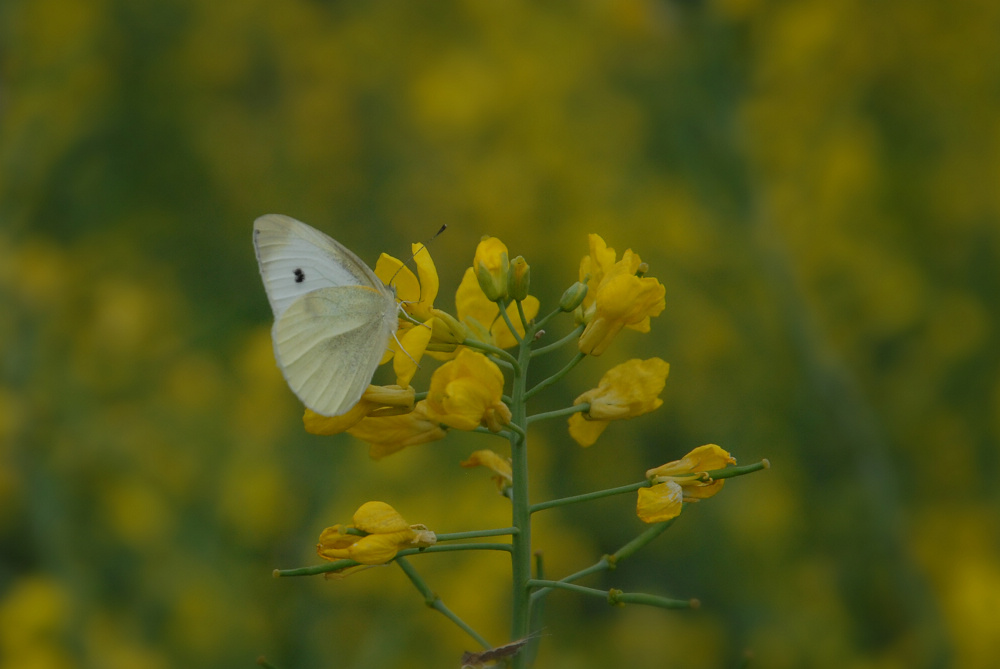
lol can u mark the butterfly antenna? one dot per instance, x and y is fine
(423, 246)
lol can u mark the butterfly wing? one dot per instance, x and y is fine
(329, 343)
(332, 316)
(296, 259)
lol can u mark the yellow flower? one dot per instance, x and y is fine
(491, 266)
(616, 297)
(467, 392)
(625, 391)
(394, 433)
(482, 317)
(378, 401)
(682, 480)
(499, 465)
(416, 297)
(383, 533)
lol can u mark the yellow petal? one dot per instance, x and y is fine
(585, 432)
(501, 334)
(627, 390)
(481, 317)
(379, 517)
(595, 265)
(380, 548)
(377, 400)
(491, 266)
(429, 283)
(499, 465)
(416, 297)
(464, 389)
(334, 544)
(394, 433)
(394, 272)
(327, 425)
(491, 460)
(413, 343)
(473, 308)
(702, 459)
(659, 503)
(701, 490)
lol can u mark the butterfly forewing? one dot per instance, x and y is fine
(296, 259)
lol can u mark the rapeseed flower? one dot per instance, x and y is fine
(625, 391)
(616, 297)
(467, 392)
(378, 401)
(386, 435)
(481, 317)
(684, 480)
(382, 533)
(416, 298)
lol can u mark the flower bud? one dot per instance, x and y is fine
(492, 267)
(518, 278)
(447, 329)
(573, 297)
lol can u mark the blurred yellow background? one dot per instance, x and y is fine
(816, 183)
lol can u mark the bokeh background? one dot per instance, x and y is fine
(816, 183)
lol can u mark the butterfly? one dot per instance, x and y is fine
(333, 318)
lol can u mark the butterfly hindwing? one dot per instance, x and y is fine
(328, 345)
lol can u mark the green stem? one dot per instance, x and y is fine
(575, 334)
(535, 616)
(520, 502)
(586, 497)
(434, 602)
(730, 472)
(608, 562)
(503, 364)
(518, 430)
(502, 433)
(499, 352)
(561, 585)
(545, 319)
(337, 565)
(475, 534)
(510, 324)
(616, 597)
(559, 413)
(555, 377)
(655, 530)
(520, 314)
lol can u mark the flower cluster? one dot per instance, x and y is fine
(479, 385)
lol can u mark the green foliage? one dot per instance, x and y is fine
(814, 182)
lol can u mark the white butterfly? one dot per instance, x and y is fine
(333, 317)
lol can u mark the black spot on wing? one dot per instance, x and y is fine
(300, 276)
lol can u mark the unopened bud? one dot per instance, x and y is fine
(573, 297)
(518, 279)
(492, 267)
